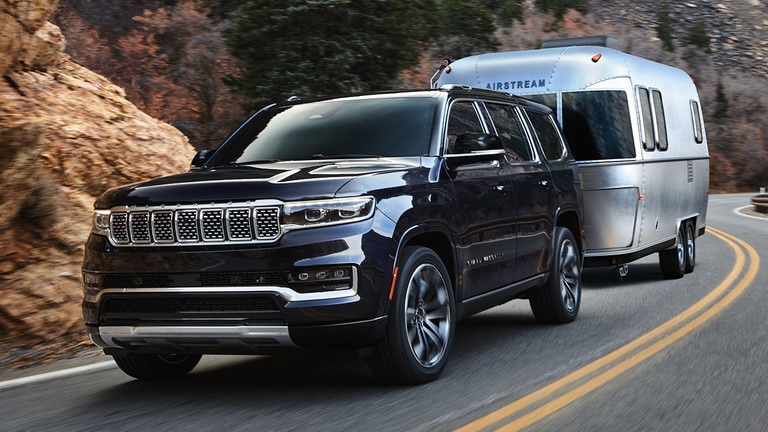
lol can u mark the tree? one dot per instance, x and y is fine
(179, 58)
(721, 102)
(462, 33)
(664, 27)
(560, 7)
(698, 37)
(320, 47)
(506, 11)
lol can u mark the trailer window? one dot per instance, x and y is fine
(548, 136)
(696, 116)
(507, 126)
(661, 122)
(646, 118)
(597, 125)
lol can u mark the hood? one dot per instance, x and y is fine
(285, 181)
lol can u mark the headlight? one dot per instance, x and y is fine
(101, 222)
(306, 214)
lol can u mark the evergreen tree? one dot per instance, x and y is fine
(560, 7)
(462, 33)
(323, 47)
(721, 102)
(506, 11)
(698, 37)
(664, 27)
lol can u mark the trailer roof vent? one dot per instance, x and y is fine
(604, 41)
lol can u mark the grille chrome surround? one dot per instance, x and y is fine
(191, 225)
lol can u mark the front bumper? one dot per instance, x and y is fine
(236, 339)
(228, 300)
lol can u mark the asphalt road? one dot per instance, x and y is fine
(645, 354)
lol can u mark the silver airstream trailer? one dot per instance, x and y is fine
(635, 127)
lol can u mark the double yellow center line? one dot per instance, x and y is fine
(540, 404)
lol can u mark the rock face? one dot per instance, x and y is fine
(66, 135)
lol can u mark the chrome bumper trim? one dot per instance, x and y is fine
(256, 335)
(286, 293)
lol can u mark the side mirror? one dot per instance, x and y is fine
(474, 142)
(474, 148)
(201, 158)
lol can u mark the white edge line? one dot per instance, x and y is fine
(4, 385)
(739, 212)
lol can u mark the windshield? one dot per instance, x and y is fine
(390, 127)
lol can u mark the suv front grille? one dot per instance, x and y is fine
(216, 279)
(194, 225)
(176, 305)
(133, 309)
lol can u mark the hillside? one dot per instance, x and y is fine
(155, 51)
(67, 135)
(79, 103)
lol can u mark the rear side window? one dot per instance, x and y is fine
(661, 121)
(597, 125)
(646, 117)
(654, 123)
(696, 117)
(462, 119)
(549, 137)
(507, 126)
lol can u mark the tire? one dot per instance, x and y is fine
(156, 366)
(690, 247)
(421, 323)
(672, 261)
(558, 301)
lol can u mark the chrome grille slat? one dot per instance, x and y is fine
(139, 227)
(267, 223)
(212, 224)
(186, 226)
(162, 226)
(239, 224)
(118, 225)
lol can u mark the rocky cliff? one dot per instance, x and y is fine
(66, 135)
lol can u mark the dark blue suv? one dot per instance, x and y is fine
(371, 222)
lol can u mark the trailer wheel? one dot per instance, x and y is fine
(672, 261)
(690, 247)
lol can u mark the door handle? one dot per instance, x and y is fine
(499, 188)
(544, 183)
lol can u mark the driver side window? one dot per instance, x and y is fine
(462, 119)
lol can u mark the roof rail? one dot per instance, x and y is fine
(604, 41)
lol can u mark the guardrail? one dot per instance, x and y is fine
(760, 202)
